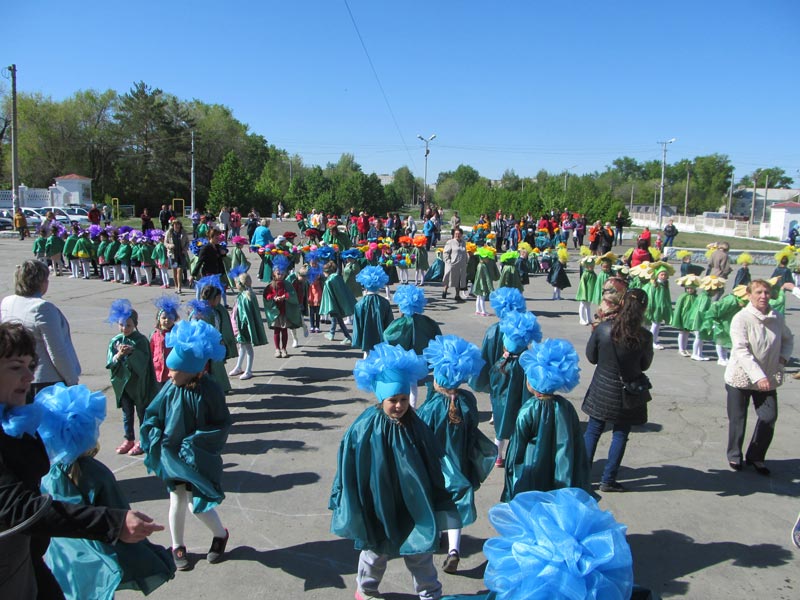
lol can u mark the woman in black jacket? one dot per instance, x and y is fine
(28, 519)
(622, 350)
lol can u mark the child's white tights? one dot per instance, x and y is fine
(85, 266)
(584, 312)
(75, 267)
(556, 293)
(454, 540)
(244, 364)
(480, 304)
(164, 276)
(501, 445)
(683, 341)
(655, 329)
(419, 277)
(722, 353)
(179, 502)
(697, 346)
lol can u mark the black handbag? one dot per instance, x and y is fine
(636, 391)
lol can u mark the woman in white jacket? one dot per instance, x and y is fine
(761, 344)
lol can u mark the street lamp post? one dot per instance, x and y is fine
(566, 174)
(425, 180)
(663, 172)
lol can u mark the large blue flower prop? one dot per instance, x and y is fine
(519, 330)
(557, 545)
(169, 304)
(121, 310)
(196, 338)
(505, 299)
(388, 363)
(19, 420)
(326, 253)
(372, 279)
(551, 366)
(352, 253)
(197, 244)
(453, 360)
(71, 420)
(410, 299)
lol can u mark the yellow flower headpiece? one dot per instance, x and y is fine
(471, 247)
(563, 255)
(584, 251)
(745, 258)
(681, 254)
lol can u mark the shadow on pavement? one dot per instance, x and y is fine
(246, 482)
(663, 557)
(253, 428)
(264, 446)
(278, 415)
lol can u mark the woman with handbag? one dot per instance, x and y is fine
(622, 350)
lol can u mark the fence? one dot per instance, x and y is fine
(725, 227)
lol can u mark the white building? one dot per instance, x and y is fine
(765, 199)
(71, 189)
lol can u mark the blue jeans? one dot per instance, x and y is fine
(342, 326)
(619, 439)
(128, 408)
(669, 240)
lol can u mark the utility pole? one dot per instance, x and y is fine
(764, 209)
(192, 181)
(686, 200)
(14, 138)
(663, 172)
(730, 194)
(753, 203)
(425, 180)
(633, 187)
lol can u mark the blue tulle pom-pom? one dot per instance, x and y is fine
(519, 330)
(557, 545)
(19, 420)
(352, 253)
(121, 310)
(71, 420)
(168, 304)
(280, 263)
(326, 253)
(551, 366)
(234, 273)
(504, 299)
(453, 360)
(410, 299)
(210, 280)
(95, 231)
(314, 274)
(385, 360)
(196, 338)
(372, 279)
(198, 308)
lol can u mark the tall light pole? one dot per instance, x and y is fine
(425, 180)
(14, 141)
(192, 183)
(663, 172)
(566, 174)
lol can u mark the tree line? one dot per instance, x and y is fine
(137, 147)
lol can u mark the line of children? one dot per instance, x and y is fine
(659, 302)
(372, 313)
(486, 274)
(281, 307)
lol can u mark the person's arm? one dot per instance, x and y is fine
(52, 324)
(741, 351)
(787, 344)
(591, 348)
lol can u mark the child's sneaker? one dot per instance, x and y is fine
(180, 558)
(218, 548)
(329, 337)
(451, 562)
(125, 447)
(294, 343)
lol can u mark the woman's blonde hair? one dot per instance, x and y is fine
(30, 277)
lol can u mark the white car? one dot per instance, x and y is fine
(67, 214)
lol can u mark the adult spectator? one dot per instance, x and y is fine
(646, 235)
(605, 239)
(719, 265)
(262, 235)
(761, 345)
(411, 226)
(94, 215)
(58, 361)
(793, 236)
(164, 216)
(428, 230)
(23, 463)
(670, 231)
(620, 225)
(224, 221)
(20, 223)
(209, 259)
(281, 210)
(49, 222)
(622, 350)
(455, 264)
(147, 220)
(362, 224)
(236, 221)
(580, 230)
(195, 218)
(640, 254)
(252, 223)
(176, 242)
(107, 218)
(594, 238)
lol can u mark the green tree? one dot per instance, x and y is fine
(404, 184)
(231, 185)
(510, 181)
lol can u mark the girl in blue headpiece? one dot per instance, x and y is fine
(212, 312)
(184, 432)
(546, 451)
(281, 307)
(373, 313)
(132, 375)
(507, 379)
(85, 568)
(394, 489)
(166, 316)
(337, 301)
(452, 414)
(248, 327)
(412, 331)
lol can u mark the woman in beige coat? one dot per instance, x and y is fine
(176, 241)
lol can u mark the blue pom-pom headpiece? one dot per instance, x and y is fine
(557, 544)
(121, 311)
(372, 279)
(453, 360)
(410, 299)
(210, 280)
(519, 330)
(312, 255)
(236, 271)
(314, 274)
(124, 229)
(389, 370)
(16, 421)
(193, 344)
(197, 244)
(326, 253)
(280, 263)
(551, 366)
(199, 308)
(95, 230)
(168, 304)
(71, 421)
(506, 299)
(352, 253)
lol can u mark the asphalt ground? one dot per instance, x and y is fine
(696, 528)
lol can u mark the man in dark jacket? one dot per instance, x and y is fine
(670, 231)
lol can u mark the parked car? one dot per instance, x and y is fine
(61, 216)
(75, 214)
(33, 218)
(6, 223)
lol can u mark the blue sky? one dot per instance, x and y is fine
(504, 85)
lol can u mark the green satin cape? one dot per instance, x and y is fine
(508, 394)
(134, 374)
(510, 277)
(372, 316)
(250, 323)
(413, 332)
(337, 299)
(491, 350)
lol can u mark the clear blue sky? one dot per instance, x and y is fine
(504, 85)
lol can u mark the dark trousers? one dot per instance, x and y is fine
(619, 440)
(766, 405)
(128, 408)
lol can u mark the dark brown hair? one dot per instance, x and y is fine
(627, 326)
(15, 340)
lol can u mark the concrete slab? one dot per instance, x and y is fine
(696, 528)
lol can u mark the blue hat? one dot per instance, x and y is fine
(504, 299)
(210, 280)
(453, 360)
(121, 311)
(280, 263)
(326, 253)
(389, 370)
(200, 308)
(193, 344)
(169, 305)
(551, 366)
(372, 279)
(519, 330)
(410, 299)
(313, 274)
(71, 420)
(234, 273)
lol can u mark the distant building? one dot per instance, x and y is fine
(386, 179)
(669, 211)
(71, 189)
(742, 202)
